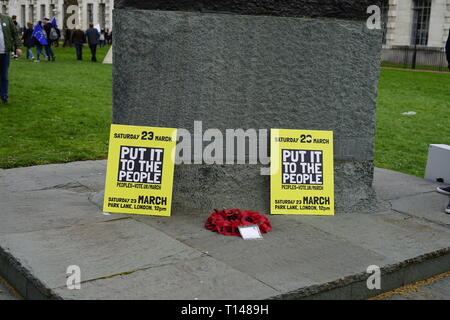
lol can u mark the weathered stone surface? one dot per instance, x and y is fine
(429, 206)
(348, 9)
(201, 188)
(247, 72)
(177, 257)
(235, 71)
(390, 185)
(203, 278)
(291, 246)
(396, 228)
(99, 249)
(42, 197)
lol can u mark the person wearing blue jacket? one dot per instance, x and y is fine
(48, 47)
(93, 38)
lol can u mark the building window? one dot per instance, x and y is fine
(43, 11)
(31, 13)
(90, 13)
(51, 11)
(4, 9)
(384, 18)
(421, 22)
(101, 15)
(23, 16)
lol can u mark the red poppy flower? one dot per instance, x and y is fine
(226, 222)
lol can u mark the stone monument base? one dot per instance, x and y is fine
(231, 71)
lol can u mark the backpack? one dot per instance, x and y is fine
(53, 34)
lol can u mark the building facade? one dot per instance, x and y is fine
(415, 32)
(412, 29)
(416, 22)
(406, 22)
(77, 12)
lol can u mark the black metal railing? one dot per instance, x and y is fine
(416, 57)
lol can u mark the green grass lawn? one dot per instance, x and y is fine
(61, 112)
(402, 141)
(58, 112)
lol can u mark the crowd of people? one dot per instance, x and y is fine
(45, 34)
(77, 37)
(42, 36)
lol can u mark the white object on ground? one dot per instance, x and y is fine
(109, 57)
(438, 163)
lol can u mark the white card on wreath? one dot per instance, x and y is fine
(250, 232)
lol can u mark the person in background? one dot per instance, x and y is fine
(108, 36)
(48, 47)
(446, 191)
(67, 36)
(9, 41)
(19, 33)
(19, 29)
(56, 41)
(93, 37)
(102, 38)
(28, 40)
(39, 47)
(78, 38)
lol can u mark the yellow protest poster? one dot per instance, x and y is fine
(302, 172)
(139, 177)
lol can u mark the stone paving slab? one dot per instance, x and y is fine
(48, 222)
(202, 278)
(99, 249)
(390, 184)
(50, 196)
(40, 210)
(292, 256)
(395, 236)
(429, 206)
(49, 176)
(338, 246)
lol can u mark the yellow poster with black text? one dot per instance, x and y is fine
(139, 177)
(302, 172)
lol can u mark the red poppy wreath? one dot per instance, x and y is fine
(226, 222)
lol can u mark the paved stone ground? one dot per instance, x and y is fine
(50, 221)
(436, 288)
